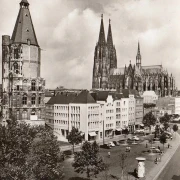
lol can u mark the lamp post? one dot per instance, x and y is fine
(103, 132)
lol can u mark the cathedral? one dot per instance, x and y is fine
(106, 74)
(22, 85)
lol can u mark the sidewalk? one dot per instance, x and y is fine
(106, 140)
(158, 168)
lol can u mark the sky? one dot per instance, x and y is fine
(67, 32)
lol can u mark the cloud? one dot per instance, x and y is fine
(67, 32)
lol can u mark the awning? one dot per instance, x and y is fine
(118, 129)
(141, 124)
(92, 133)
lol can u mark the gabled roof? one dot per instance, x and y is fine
(84, 98)
(102, 95)
(24, 29)
(62, 98)
(127, 92)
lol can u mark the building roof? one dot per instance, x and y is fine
(117, 71)
(127, 92)
(62, 98)
(102, 95)
(84, 98)
(149, 93)
(24, 29)
(69, 97)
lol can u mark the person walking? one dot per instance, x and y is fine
(109, 154)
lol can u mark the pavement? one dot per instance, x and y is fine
(154, 173)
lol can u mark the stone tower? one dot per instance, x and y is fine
(111, 48)
(138, 57)
(101, 61)
(22, 85)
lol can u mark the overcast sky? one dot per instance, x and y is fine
(67, 31)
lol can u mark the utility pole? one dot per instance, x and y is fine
(103, 131)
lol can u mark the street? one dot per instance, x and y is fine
(172, 170)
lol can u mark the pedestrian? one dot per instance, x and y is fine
(159, 148)
(171, 138)
(109, 154)
(146, 145)
(168, 145)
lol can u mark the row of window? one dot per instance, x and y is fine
(33, 99)
(109, 111)
(93, 124)
(63, 108)
(109, 125)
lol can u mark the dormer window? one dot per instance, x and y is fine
(28, 42)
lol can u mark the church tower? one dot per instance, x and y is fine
(138, 57)
(111, 48)
(101, 61)
(22, 85)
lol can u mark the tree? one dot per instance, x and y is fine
(123, 164)
(74, 137)
(175, 127)
(165, 119)
(19, 154)
(88, 160)
(149, 120)
(163, 139)
(166, 126)
(157, 131)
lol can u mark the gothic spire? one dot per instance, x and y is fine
(138, 57)
(102, 40)
(109, 36)
(24, 30)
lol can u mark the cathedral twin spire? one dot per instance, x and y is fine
(102, 39)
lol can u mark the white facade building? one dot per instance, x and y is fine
(150, 97)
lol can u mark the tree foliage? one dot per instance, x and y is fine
(28, 153)
(175, 127)
(74, 137)
(149, 119)
(163, 139)
(88, 160)
(165, 119)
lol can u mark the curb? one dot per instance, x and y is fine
(169, 158)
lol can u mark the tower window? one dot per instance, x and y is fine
(27, 30)
(39, 100)
(15, 65)
(33, 100)
(28, 42)
(24, 115)
(33, 85)
(24, 99)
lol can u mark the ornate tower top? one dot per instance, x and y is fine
(109, 36)
(24, 3)
(102, 40)
(24, 32)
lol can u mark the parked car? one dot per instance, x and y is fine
(154, 150)
(105, 146)
(128, 149)
(111, 144)
(139, 131)
(116, 143)
(135, 138)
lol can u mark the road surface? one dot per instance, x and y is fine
(172, 170)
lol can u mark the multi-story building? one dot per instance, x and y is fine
(114, 112)
(150, 97)
(66, 110)
(22, 85)
(170, 105)
(106, 74)
(139, 112)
